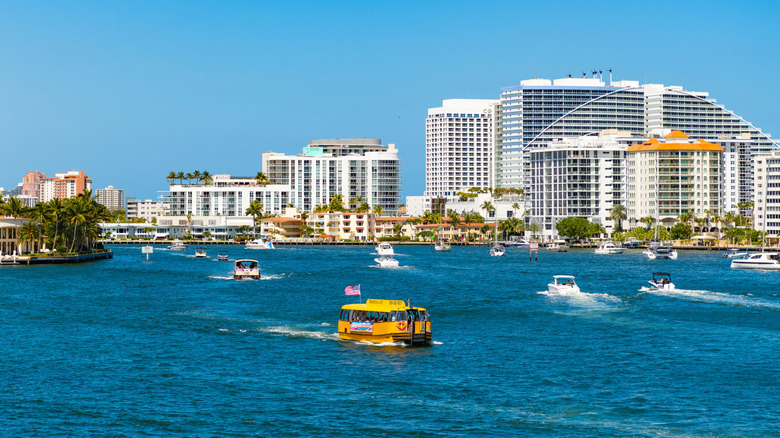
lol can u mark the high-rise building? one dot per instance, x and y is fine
(674, 175)
(112, 198)
(766, 211)
(144, 209)
(540, 111)
(578, 177)
(31, 183)
(358, 168)
(64, 185)
(459, 146)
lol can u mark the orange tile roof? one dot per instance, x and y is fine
(655, 145)
(676, 134)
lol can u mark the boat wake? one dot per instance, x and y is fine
(584, 300)
(262, 277)
(294, 332)
(714, 297)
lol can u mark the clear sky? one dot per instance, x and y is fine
(129, 91)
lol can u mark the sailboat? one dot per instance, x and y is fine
(497, 250)
(441, 244)
(657, 251)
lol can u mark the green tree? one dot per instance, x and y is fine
(647, 220)
(261, 179)
(336, 203)
(171, 177)
(618, 214)
(377, 210)
(206, 178)
(255, 210)
(29, 233)
(196, 176)
(681, 231)
(574, 227)
(180, 176)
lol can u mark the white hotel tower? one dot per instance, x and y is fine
(459, 146)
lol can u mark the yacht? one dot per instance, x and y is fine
(656, 251)
(609, 248)
(516, 242)
(497, 251)
(735, 253)
(246, 269)
(200, 253)
(762, 260)
(559, 245)
(384, 249)
(662, 281)
(260, 243)
(386, 261)
(563, 284)
(177, 245)
(222, 256)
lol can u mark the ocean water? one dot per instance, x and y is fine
(175, 347)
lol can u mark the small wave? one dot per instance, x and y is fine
(326, 324)
(437, 343)
(217, 277)
(391, 267)
(716, 298)
(300, 333)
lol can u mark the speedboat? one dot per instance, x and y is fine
(656, 251)
(246, 269)
(260, 243)
(662, 281)
(177, 245)
(386, 261)
(497, 251)
(559, 245)
(200, 253)
(735, 253)
(762, 260)
(442, 246)
(609, 248)
(384, 249)
(222, 256)
(563, 284)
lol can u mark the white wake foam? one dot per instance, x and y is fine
(294, 332)
(716, 298)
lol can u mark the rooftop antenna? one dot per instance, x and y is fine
(583, 74)
(601, 75)
(569, 74)
(610, 75)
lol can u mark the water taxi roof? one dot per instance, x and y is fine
(563, 276)
(380, 305)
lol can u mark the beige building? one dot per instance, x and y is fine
(674, 175)
(64, 185)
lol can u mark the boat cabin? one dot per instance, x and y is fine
(385, 321)
(246, 269)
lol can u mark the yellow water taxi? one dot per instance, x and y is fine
(383, 321)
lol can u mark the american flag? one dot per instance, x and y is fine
(352, 290)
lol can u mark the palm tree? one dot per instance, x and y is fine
(14, 208)
(180, 176)
(354, 202)
(206, 177)
(488, 206)
(320, 209)
(29, 234)
(77, 212)
(41, 214)
(196, 176)
(189, 177)
(647, 220)
(618, 214)
(363, 208)
(255, 210)
(261, 179)
(57, 208)
(336, 203)
(454, 218)
(398, 227)
(171, 177)
(515, 206)
(377, 210)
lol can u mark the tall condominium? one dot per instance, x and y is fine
(674, 175)
(578, 177)
(766, 210)
(144, 209)
(356, 168)
(459, 146)
(64, 185)
(539, 111)
(112, 198)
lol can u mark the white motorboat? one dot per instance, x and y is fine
(656, 251)
(662, 281)
(260, 243)
(762, 260)
(222, 256)
(735, 253)
(559, 245)
(384, 249)
(563, 284)
(386, 261)
(200, 253)
(246, 269)
(609, 248)
(497, 251)
(519, 243)
(442, 246)
(177, 245)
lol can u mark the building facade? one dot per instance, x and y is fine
(112, 198)
(766, 211)
(579, 177)
(359, 168)
(144, 209)
(674, 175)
(64, 185)
(459, 146)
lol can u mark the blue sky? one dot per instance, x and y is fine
(129, 91)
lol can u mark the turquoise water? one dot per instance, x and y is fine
(174, 347)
